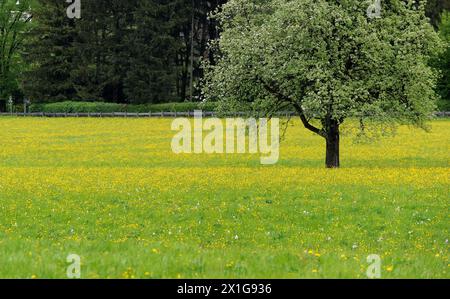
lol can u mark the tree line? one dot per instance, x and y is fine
(133, 52)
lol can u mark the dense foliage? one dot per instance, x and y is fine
(327, 60)
(127, 52)
(97, 107)
(14, 21)
(444, 64)
(135, 51)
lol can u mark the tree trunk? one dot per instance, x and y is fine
(332, 158)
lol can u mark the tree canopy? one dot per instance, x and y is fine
(14, 22)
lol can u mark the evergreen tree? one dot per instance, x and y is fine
(134, 51)
(153, 48)
(90, 73)
(50, 52)
(119, 25)
(102, 50)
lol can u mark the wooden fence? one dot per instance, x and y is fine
(132, 115)
(155, 114)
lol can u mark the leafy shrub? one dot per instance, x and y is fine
(100, 107)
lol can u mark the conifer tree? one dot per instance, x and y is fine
(49, 51)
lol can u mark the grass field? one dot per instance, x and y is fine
(112, 191)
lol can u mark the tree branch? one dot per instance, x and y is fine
(306, 123)
(276, 92)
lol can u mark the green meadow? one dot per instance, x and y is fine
(112, 192)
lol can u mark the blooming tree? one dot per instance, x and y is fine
(329, 60)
